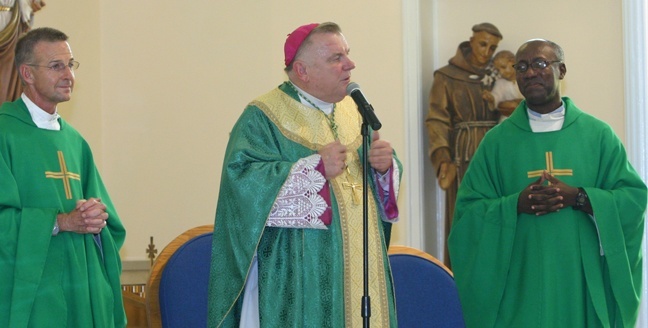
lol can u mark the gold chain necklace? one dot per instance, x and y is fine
(330, 118)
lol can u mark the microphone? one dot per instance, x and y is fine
(364, 107)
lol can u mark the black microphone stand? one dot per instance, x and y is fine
(368, 118)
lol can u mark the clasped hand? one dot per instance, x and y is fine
(89, 216)
(540, 198)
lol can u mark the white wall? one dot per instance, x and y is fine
(161, 83)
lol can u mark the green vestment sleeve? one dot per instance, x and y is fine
(562, 269)
(241, 213)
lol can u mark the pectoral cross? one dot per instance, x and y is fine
(354, 186)
(63, 175)
(550, 168)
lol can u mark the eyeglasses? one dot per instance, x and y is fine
(537, 64)
(59, 66)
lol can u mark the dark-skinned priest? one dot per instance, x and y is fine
(549, 219)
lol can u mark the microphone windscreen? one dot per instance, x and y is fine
(351, 87)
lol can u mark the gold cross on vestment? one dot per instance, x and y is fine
(355, 187)
(63, 175)
(549, 168)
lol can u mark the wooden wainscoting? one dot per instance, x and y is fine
(134, 277)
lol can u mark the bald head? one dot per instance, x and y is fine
(557, 49)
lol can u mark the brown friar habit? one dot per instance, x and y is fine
(458, 118)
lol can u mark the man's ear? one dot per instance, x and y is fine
(26, 73)
(563, 70)
(301, 70)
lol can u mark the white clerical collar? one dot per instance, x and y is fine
(547, 122)
(312, 102)
(41, 118)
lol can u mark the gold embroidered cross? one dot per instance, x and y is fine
(63, 175)
(355, 187)
(549, 168)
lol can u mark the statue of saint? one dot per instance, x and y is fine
(458, 115)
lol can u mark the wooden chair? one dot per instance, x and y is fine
(426, 293)
(176, 291)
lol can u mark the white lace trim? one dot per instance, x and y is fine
(396, 177)
(298, 204)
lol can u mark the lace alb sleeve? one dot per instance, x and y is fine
(298, 204)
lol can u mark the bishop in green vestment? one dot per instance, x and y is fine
(288, 234)
(306, 269)
(568, 266)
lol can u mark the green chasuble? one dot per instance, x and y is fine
(68, 280)
(563, 269)
(307, 277)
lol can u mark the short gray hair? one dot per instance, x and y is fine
(25, 47)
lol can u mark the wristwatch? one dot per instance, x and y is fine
(581, 199)
(56, 229)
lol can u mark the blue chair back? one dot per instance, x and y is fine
(184, 284)
(426, 293)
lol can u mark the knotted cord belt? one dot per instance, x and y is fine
(461, 129)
